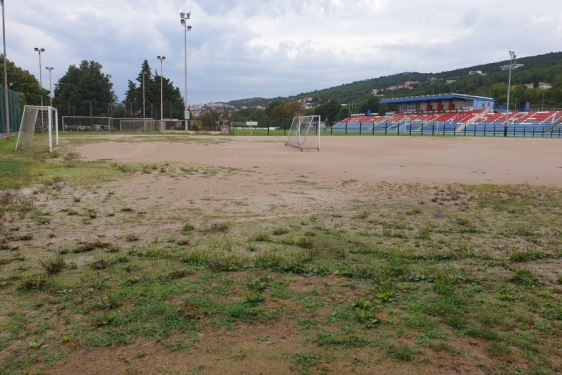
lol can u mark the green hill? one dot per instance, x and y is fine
(492, 83)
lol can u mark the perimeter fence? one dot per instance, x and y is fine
(450, 129)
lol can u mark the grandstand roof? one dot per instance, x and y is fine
(430, 98)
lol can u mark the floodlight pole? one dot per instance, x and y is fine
(183, 18)
(143, 105)
(50, 69)
(39, 50)
(161, 58)
(542, 109)
(512, 57)
(6, 101)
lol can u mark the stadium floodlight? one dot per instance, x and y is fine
(50, 69)
(512, 56)
(183, 18)
(161, 58)
(40, 50)
(6, 101)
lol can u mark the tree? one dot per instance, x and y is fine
(270, 108)
(174, 106)
(330, 111)
(85, 90)
(290, 109)
(23, 82)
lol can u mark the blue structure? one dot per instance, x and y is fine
(442, 103)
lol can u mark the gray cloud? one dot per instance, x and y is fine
(267, 48)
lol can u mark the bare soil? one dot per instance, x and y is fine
(424, 160)
(242, 178)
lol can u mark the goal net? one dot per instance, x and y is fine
(86, 123)
(37, 119)
(137, 124)
(304, 133)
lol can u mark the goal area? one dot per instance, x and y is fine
(304, 133)
(37, 119)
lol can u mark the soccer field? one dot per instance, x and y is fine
(427, 160)
(175, 254)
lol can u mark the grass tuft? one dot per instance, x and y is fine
(54, 264)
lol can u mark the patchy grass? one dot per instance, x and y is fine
(457, 271)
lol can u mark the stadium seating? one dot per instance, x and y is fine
(479, 122)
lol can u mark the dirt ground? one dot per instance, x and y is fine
(249, 177)
(427, 160)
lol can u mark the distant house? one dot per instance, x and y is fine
(474, 72)
(544, 85)
(394, 88)
(449, 81)
(513, 66)
(529, 85)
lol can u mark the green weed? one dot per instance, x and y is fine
(54, 264)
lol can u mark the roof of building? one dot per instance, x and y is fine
(431, 98)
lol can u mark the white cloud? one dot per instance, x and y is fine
(267, 48)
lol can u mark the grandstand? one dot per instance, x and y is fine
(452, 114)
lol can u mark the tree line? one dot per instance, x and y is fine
(85, 90)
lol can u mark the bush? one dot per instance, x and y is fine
(54, 264)
(30, 282)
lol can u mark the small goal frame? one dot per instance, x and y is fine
(301, 133)
(45, 116)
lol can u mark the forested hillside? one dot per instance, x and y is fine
(492, 83)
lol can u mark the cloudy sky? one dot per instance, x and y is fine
(245, 48)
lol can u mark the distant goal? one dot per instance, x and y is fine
(37, 119)
(304, 133)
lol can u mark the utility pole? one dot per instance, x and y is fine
(6, 92)
(183, 19)
(40, 50)
(161, 58)
(512, 56)
(143, 105)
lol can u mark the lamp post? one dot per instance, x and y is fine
(40, 72)
(512, 56)
(161, 58)
(183, 18)
(6, 101)
(143, 104)
(50, 69)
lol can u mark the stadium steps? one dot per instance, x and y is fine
(472, 120)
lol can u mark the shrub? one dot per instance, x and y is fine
(54, 264)
(30, 282)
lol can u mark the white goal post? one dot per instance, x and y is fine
(37, 119)
(305, 133)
